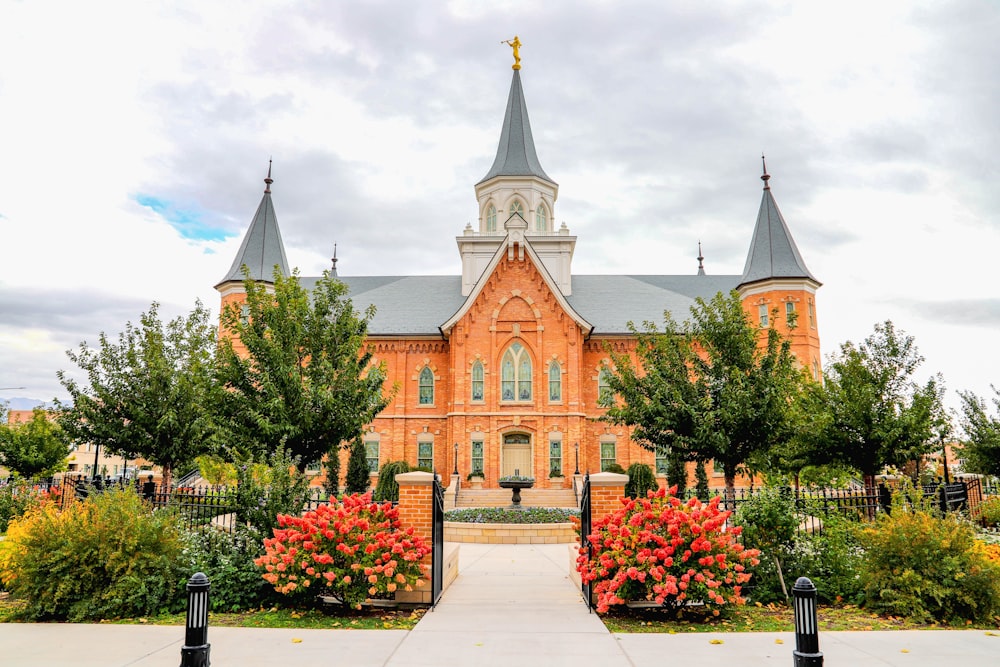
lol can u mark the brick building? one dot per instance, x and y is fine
(501, 366)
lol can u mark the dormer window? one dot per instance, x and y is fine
(541, 219)
(491, 219)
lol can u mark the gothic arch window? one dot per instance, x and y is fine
(517, 207)
(426, 386)
(541, 219)
(491, 219)
(515, 374)
(555, 382)
(604, 394)
(478, 384)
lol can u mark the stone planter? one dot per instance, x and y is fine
(475, 483)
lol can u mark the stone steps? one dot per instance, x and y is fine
(529, 498)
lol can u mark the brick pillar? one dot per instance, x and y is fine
(606, 491)
(416, 498)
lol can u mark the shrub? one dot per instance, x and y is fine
(927, 567)
(387, 489)
(640, 480)
(16, 499)
(988, 512)
(264, 492)
(227, 559)
(106, 557)
(768, 521)
(358, 479)
(615, 468)
(507, 515)
(350, 550)
(701, 482)
(661, 549)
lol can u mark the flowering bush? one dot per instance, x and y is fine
(18, 497)
(351, 550)
(660, 549)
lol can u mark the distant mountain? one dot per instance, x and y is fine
(20, 403)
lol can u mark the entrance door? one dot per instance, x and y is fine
(516, 455)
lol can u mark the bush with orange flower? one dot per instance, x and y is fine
(351, 550)
(667, 551)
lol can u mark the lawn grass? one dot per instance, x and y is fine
(328, 617)
(765, 618)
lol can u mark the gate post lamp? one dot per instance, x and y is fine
(576, 448)
(196, 649)
(456, 459)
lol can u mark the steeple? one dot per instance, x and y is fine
(516, 151)
(773, 253)
(262, 247)
(701, 261)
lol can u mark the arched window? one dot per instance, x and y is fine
(604, 395)
(515, 374)
(477, 381)
(491, 219)
(541, 219)
(517, 207)
(427, 386)
(555, 382)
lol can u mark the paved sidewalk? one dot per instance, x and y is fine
(511, 605)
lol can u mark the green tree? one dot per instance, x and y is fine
(150, 393)
(358, 479)
(981, 448)
(36, 448)
(710, 389)
(869, 413)
(306, 381)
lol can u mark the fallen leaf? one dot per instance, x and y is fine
(715, 641)
(991, 634)
(779, 641)
(296, 640)
(904, 650)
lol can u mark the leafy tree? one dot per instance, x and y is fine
(869, 413)
(148, 394)
(701, 482)
(358, 480)
(331, 466)
(710, 389)
(677, 474)
(305, 381)
(36, 448)
(982, 445)
(640, 480)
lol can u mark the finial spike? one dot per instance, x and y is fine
(268, 180)
(701, 261)
(334, 260)
(765, 177)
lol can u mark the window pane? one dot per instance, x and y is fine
(762, 314)
(477, 382)
(426, 387)
(477, 457)
(425, 455)
(371, 454)
(555, 382)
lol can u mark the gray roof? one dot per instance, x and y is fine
(262, 248)
(516, 151)
(773, 253)
(419, 305)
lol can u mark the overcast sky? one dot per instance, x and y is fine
(135, 136)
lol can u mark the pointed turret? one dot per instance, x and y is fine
(776, 287)
(262, 248)
(517, 188)
(773, 253)
(516, 152)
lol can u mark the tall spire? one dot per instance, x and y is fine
(701, 261)
(262, 248)
(516, 151)
(333, 271)
(773, 253)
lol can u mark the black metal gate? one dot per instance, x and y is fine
(585, 524)
(437, 541)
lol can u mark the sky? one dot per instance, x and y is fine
(135, 137)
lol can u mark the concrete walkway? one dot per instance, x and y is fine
(509, 605)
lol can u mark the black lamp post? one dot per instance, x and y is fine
(196, 649)
(576, 448)
(97, 451)
(806, 653)
(455, 472)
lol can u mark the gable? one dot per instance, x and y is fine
(514, 288)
